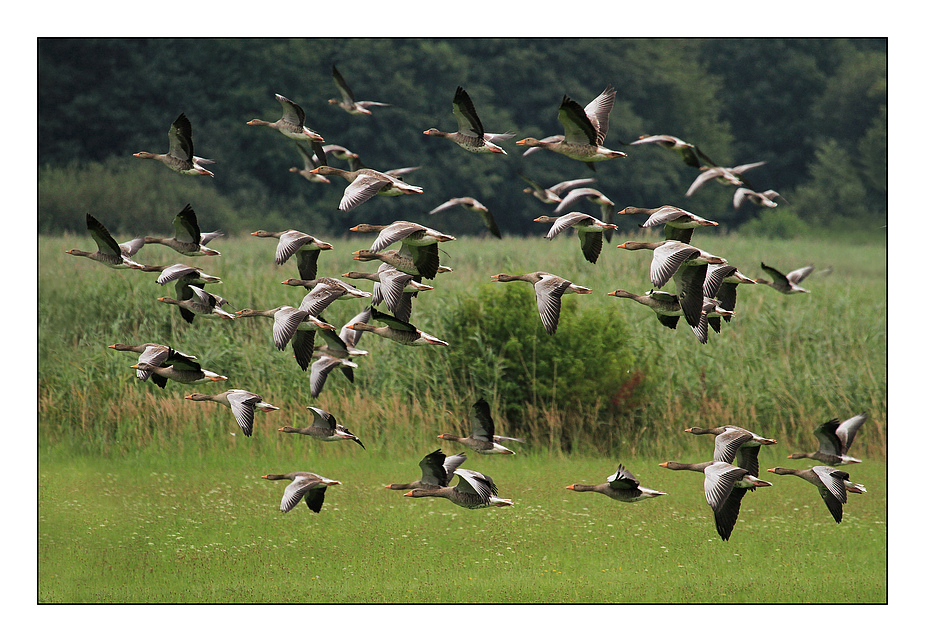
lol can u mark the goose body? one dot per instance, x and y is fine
(365, 183)
(291, 124)
(725, 175)
(397, 330)
(720, 283)
(187, 238)
(679, 224)
(764, 199)
(666, 306)
(735, 444)
(291, 324)
(724, 486)
(242, 403)
(304, 484)
(585, 130)
(473, 490)
(153, 354)
(347, 101)
(590, 231)
(330, 283)
(324, 427)
(549, 290)
(182, 371)
(305, 247)
(621, 486)
(710, 311)
(179, 156)
(182, 276)
(552, 194)
(471, 204)
(785, 283)
(688, 152)
(109, 253)
(310, 161)
(471, 135)
(416, 260)
(832, 483)
(835, 438)
(405, 232)
(394, 287)
(436, 471)
(482, 438)
(202, 303)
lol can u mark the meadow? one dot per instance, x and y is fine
(146, 497)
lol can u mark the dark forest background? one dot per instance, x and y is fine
(814, 109)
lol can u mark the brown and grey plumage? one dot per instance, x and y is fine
(109, 253)
(154, 354)
(436, 471)
(720, 284)
(187, 238)
(689, 153)
(182, 276)
(665, 305)
(482, 438)
(724, 486)
(291, 124)
(621, 486)
(835, 438)
(179, 156)
(404, 232)
(590, 231)
(332, 283)
(725, 175)
(305, 247)
(471, 135)
(785, 283)
(554, 193)
(324, 427)
(595, 196)
(416, 260)
(347, 102)
(473, 490)
(764, 199)
(310, 161)
(679, 224)
(243, 403)
(396, 330)
(585, 130)
(304, 484)
(364, 183)
(291, 324)
(710, 311)
(735, 444)
(833, 485)
(549, 290)
(181, 369)
(392, 286)
(201, 303)
(469, 203)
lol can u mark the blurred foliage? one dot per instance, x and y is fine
(740, 100)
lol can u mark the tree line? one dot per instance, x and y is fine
(814, 109)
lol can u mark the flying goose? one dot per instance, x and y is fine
(482, 438)
(590, 231)
(109, 253)
(436, 471)
(347, 101)
(622, 486)
(835, 438)
(473, 490)
(549, 290)
(304, 484)
(179, 156)
(291, 124)
(324, 427)
(187, 238)
(471, 135)
(242, 403)
(832, 483)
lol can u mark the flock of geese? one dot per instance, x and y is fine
(705, 294)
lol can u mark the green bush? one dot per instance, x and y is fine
(775, 223)
(502, 351)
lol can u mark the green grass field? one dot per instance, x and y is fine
(145, 497)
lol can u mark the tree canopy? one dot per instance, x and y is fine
(814, 109)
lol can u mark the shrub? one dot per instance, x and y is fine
(502, 352)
